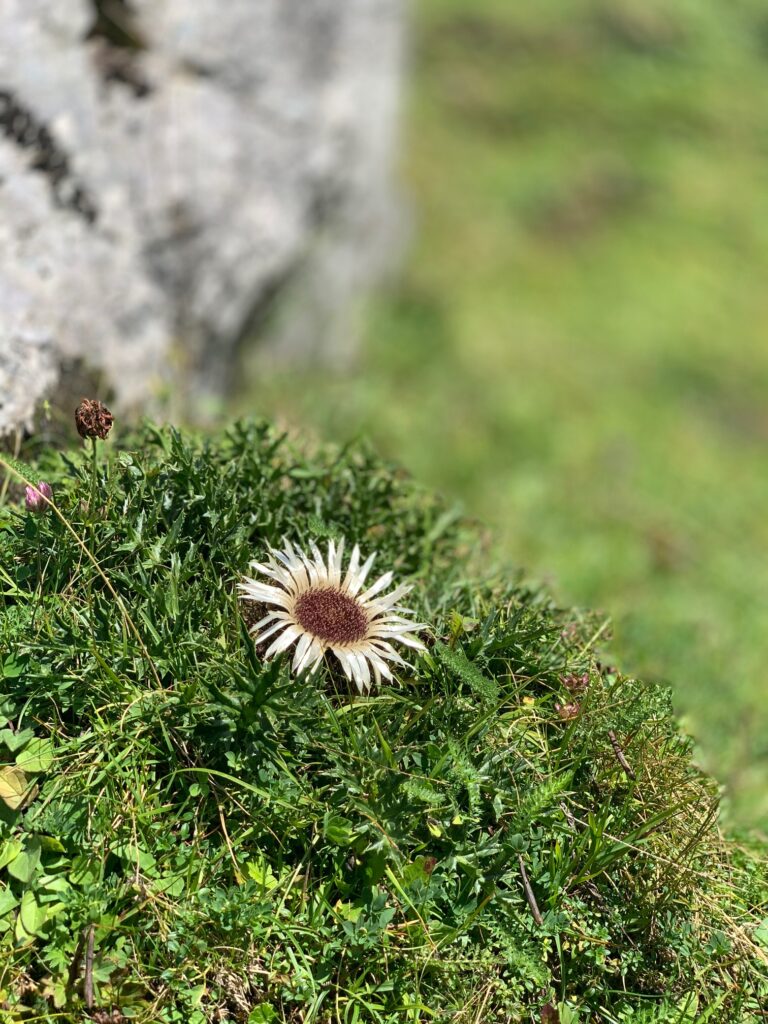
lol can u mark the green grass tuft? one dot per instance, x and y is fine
(188, 834)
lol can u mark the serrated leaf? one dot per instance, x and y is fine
(456, 661)
(20, 469)
(424, 791)
(259, 870)
(320, 529)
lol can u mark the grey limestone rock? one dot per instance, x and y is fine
(168, 168)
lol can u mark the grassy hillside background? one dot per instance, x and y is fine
(577, 345)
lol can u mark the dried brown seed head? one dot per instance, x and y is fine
(567, 711)
(576, 683)
(93, 419)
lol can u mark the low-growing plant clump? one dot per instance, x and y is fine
(509, 830)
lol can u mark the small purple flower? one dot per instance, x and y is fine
(39, 497)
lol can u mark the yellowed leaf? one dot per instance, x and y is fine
(14, 787)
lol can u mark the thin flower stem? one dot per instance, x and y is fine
(94, 562)
(93, 476)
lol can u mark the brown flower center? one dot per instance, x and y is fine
(331, 615)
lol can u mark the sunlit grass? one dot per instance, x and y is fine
(190, 832)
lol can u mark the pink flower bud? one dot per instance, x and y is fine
(38, 497)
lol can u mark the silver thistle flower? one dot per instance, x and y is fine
(321, 608)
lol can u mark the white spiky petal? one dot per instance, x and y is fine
(319, 607)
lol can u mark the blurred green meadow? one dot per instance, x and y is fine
(577, 345)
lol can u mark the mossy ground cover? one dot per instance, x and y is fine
(577, 345)
(514, 830)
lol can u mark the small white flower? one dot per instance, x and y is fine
(325, 609)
